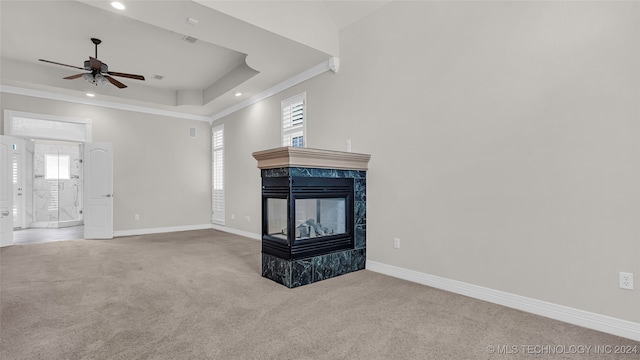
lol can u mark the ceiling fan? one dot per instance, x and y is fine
(99, 70)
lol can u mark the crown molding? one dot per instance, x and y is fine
(329, 64)
(323, 67)
(102, 103)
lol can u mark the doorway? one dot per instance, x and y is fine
(70, 179)
(56, 185)
(47, 187)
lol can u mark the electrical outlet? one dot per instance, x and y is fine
(396, 243)
(233, 216)
(626, 281)
(248, 218)
(136, 217)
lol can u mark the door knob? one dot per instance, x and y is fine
(107, 196)
(4, 213)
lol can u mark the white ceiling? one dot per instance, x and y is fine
(246, 46)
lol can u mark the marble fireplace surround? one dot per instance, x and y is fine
(289, 162)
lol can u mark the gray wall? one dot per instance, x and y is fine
(159, 172)
(504, 141)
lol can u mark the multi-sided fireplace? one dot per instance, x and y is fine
(306, 216)
(313, 214)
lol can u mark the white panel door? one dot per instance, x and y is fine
(29, 151)
(6, 191)
(17, 179)
(98, 191)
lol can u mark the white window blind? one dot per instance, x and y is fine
(15, 164)
(294, 121)
(217, 176)
(15, 168)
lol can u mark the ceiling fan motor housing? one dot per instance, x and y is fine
(103, 66)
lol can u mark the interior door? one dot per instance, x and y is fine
(98, 191)
(29, 150)
(17, 180)
(6, 191)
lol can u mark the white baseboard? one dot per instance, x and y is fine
(606, 324)
(186, 228)
(160, 230)
(236, 232)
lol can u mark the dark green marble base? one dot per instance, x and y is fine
(294, 273)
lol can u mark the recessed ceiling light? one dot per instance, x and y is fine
(91, 95)
(118, 5)
(238, 93)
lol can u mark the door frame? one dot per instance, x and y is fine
(17, 123)
(20, 149)
(6, 191)
(28, 125)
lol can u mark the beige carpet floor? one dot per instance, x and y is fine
(199, 295)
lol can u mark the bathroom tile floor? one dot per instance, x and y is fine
(36, 236)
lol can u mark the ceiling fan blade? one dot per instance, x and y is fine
(115, 82)
(73, 76)
(130, 76)
(95, 63)
(57, 63)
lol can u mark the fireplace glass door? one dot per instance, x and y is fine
(319, 217)
(306, 216)
(277, 218)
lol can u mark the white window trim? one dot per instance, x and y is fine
(284, 132)
(217, 195)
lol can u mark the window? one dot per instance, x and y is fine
(57, 167)
(217, 174)
(16, 159)
(16, 178)
(294, 122)
(32, 125)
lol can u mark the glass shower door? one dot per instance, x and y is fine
(57, 186)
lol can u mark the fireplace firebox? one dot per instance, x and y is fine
(313, 214)
(304, 217)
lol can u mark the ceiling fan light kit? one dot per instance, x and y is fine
(95, 80)
(99, 71)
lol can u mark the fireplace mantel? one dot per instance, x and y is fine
(311, 158)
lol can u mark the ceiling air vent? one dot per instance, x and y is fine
(189, 39)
